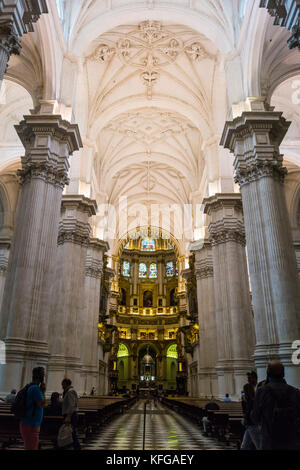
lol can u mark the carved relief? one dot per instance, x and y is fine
(149, 48)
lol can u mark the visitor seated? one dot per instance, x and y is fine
(211, 406)
(55, 406)
(227, 398)
(10, 398)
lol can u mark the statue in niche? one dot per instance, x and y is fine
(148, 299)
(173, 300)
(123, 297)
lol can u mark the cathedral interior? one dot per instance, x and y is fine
(149, 194)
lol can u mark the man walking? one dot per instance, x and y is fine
(70, 409)
(34, 403)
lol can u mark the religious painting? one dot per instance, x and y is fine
(148, 299)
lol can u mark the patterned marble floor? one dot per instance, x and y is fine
(165, 430)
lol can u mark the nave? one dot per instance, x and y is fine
(165, 430)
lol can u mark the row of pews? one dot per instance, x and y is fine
(94, 414)
(226, 425)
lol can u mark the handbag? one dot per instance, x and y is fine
(65, 435)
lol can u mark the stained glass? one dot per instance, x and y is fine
(148, 244)
(172, 351)
(142, 270)
(153, 271)
(126, 247)
(170, 247)
(126, 269)
(177, 269)
(123, 351)
(170, 269)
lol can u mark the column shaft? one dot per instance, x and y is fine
(255, 138)
(232, 296)
(89, 335)
(208, 343)
(67, 319)
(25, 311)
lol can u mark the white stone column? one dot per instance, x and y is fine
(208, 341)
(25, 312)
(4, 255)
(68, 311)
(16, 18)
(89, 329)
(232, 296)
(254, 138)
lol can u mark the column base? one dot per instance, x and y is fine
(89, 378)
(282, 352)
(21, 356)
(207, 383)
(232, 376)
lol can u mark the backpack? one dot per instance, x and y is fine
(283, 425)
(18, 408)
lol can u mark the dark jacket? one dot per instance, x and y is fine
(248, 403)
(262, 412)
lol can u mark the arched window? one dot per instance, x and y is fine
(126, 247)
(153, 271)
(126, 269)
(142, 270)
(123, 351)
(148, 244)
(172, 351)
(170, 269)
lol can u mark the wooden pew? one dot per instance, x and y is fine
(93, 413)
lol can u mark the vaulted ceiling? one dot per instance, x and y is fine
(151, 92)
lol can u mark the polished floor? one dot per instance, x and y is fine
(165, 430)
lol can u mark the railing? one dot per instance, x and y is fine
(149, 311)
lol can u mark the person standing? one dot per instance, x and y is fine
(277, 409)
(252, 436)
(30, 424)
(70, 409)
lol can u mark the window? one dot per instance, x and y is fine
(123, 351)
(172, 351)
(126, 269)
(170, 269)
(142, 270)
(153, 271)
(148, 244)
(126, 247)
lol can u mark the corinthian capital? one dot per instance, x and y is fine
(21, 14)
(8, 39)
(226, 218)
(254, 138)
(48, 142)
